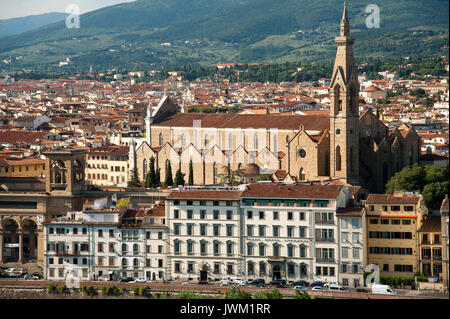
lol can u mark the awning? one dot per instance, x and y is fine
(321, 201)
(289, 201)
(275, 200)
(304, 201)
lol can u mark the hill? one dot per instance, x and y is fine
(154, 33)
(14, 26)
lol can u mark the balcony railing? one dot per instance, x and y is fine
(324, 222)
(324, 239)
(67, 253)
(325, 260)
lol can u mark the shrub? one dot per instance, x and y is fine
(186, 294)
(136, 291)
(62, 289)
(51, 289)
(236, 293)
(274, 294)
(122, 290)
(302, 295)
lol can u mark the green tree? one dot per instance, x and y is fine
(434, 193)
(134, 182)
(265, 177)
(169, 180)
(179, 178)
(152, 173)
(191, 174)
(158, 178)
(410, 178)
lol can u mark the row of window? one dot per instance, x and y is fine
(390, 235)
(276, 231)
(203, 247)
(291, 250)
(202, 214)
(203, 203)
(203, 229)
(393, 208)
(391, 250)
(386, 221)
(27, 168)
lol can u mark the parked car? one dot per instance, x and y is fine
(240, 282)
(282, 286)
(257, 281)
(361, 290)
(317, 284)
(203, 282)
(261, 286)
(317, 288)
(126, 279)
(382, 289)
(300, 283)
(31, 277)
(225, 282)
(142, 280)
(299, 288)
(277, 282)
(336, 288)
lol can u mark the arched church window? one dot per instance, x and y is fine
(301, 174)
(183, 141)
(144, 164)
(338, 131)
(215, 172)
(338, 158)
(255, 142)
(230, 141)
(351, 159)
(161, 140)
(275, 143)
(206, 141)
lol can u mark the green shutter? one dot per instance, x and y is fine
(321, 201)
(304, 201)
(249, 201)
(289, 201)
(262, 200)
(275, 200)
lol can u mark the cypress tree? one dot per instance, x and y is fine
(134, 182)
(158, 178)
(179, 178)
(169, 180)
(152, 173)
(191, 174)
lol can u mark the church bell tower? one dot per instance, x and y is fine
(344, 109)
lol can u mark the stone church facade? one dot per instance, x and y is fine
(355, 148)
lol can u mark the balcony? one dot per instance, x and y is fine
(323, 239)
(324, 222)
(325, 260)
(437, 257)
(67, 253)
(276, 258)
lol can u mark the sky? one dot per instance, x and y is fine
(21, 8)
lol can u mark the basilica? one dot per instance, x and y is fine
(357, 149)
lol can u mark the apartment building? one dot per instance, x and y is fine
(352, 245)
(204, 233)
(445, 240)
(86, 239)
(106, 241)
(290, 231)
(108, 165)
(26, 167)
(430, 247)
(393, 222)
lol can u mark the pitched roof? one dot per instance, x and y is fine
(205, 194)
(391, 199)
(276, 190)
(267, 121)
(432, 224)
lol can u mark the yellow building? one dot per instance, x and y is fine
(108, 166)
(28, 167)
(393, 222)
(430, 244)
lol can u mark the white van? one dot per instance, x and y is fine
(383, 289)
(336, 287)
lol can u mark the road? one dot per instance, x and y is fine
(216, 288)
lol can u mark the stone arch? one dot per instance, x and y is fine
(30, 239)
(11, 236)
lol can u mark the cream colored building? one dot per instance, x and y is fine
(445, 242)
(393, 222)
(108, 165)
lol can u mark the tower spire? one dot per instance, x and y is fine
(148, 125)
(345, 25)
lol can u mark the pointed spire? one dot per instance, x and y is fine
(345, 25)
